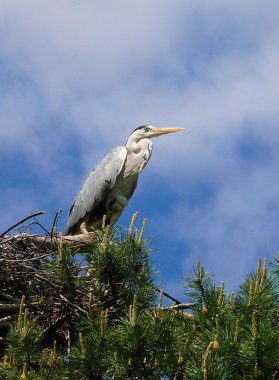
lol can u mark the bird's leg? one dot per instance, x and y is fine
(117, 208)
(83, 228)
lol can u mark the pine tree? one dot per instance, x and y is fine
(99, 315)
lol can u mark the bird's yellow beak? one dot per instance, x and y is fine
(162, 131)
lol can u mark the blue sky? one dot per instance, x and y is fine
(76, 77)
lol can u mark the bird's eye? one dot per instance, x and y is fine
(146, 129)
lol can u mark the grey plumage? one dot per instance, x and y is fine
(111, 184)
(96, 187)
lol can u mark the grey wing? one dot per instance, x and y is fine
(97, 185)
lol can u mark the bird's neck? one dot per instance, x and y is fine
(135, 146)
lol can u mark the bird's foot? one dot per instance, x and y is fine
(83, 228)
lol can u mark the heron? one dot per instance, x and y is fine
(108, 188)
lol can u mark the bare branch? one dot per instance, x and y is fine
(9, 306)
(47, 243)
(76, 307)
(22, 221)
(180, 306)
(6, 320)
(168, 296)
(10, 298)
(53, 231)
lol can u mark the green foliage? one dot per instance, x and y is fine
(119, 267)
(115, 328)
(25, 358)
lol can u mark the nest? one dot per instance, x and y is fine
(26, 273)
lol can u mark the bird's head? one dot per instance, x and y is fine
(149, 131)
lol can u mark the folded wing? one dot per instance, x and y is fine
(95, 188)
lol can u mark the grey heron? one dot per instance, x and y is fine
(111, 184)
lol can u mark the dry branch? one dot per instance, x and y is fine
(7, 320)
(9, 306)
(44, 244)
(177, 302)
(180, 306)
(33, 215)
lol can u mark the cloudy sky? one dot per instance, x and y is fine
(76, 77)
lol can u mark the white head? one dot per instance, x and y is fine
(148, 132)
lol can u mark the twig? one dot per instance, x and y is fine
(22, 221)
(168, 296)
(50, 282)
(68, 337)
(6, 320)
(54, 324)
(42, 227)
(10, 298)
(22, 260)
(46, 280)
(71, 304)
(9, 306)
(180, 306)
(57, 216)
